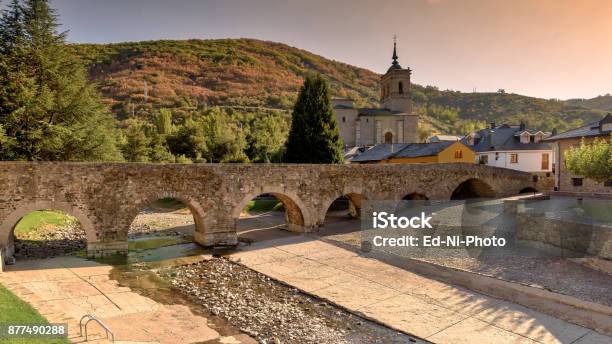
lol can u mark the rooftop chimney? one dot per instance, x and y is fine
(522, 126)
(493, 125)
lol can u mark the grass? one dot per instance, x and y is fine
(262, 205)
(41, 218)
(16, 311)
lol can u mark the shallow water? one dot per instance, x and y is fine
(137, 271)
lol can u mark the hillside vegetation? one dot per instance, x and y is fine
(252, 75)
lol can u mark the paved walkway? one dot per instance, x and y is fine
(64, 289)
(438, 312)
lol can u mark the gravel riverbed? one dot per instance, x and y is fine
(51, 242)
(269, 311)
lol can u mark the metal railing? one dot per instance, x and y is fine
(109, 334)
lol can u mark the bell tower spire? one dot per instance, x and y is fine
(395, 64)
(395, 86)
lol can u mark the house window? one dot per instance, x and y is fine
(608, 183)
(537, 138)
(514, 158)
(458, 154)
(343, 119)
(484, 159)
(577, 181)
(401, 87)
(545, 161)
(525, 137)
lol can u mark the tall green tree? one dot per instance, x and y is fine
(11, 26)
(136, 144)
(189, 142)
(314, 136)
(163, 122)
(47, 107)
(226, 140)
(267, 138)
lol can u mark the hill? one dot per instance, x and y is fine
(259, 75)
(601, 102)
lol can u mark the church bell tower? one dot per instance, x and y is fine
(395, 86)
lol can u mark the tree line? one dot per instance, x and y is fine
(50, 111)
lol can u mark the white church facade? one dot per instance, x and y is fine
(393, 122)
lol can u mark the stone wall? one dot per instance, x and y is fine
(574, 236)
(564, 177)
(106, 197)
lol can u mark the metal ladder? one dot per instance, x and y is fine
(109, 334)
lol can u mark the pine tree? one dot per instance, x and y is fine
(47, 107)
(163, 122)
(314, 136)
(11, 26)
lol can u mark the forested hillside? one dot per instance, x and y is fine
(253, 75)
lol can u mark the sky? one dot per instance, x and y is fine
(544, 48)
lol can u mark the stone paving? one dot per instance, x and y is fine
(405, 301)
(64, 289)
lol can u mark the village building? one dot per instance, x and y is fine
(417, 153)
(393, 122)
(440, 138)
(566, 181)
(513, 147)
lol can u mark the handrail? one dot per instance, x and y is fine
(109, 333)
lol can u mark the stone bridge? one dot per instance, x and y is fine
(106, 197)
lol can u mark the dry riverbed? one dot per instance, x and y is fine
(270, 311)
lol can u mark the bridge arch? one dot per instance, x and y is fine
(296, 213)
(415, 196)
(472, 188)
(354, 194)
(194, 207)
(7, 227)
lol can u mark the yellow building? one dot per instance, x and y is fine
(416, 153)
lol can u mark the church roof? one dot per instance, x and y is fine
(376, 112)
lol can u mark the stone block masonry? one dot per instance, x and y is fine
(106, 197)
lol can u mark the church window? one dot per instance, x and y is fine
(459, 154)
(358, 135)
(343, 119)
(401, 87)
(378, 132)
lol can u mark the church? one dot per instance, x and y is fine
(393, 122)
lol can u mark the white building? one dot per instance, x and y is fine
(513, 147)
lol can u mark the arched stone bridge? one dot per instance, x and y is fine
(106, 197)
